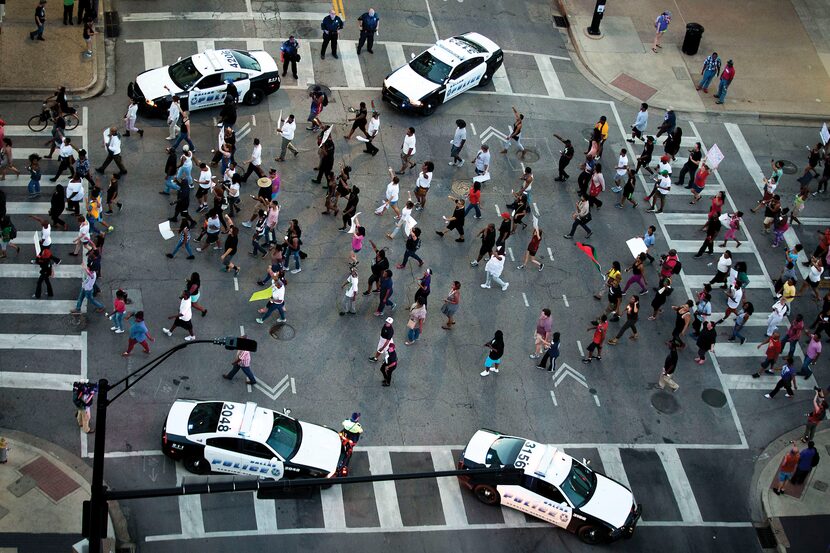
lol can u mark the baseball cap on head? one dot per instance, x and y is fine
(389, 320)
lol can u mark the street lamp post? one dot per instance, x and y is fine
(599, 10)
(95, 510)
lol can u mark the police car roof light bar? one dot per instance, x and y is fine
(247, 419)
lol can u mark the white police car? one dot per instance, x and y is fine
(555, 487)
(241, 438)
(200, 81)
(443, 72)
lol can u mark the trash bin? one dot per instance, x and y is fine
(691, 42)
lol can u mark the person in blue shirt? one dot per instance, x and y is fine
(138, 334)
(331, 25)
(648, 240)
(290, 54)
(368, 22)
(807, 459)
(787, 380)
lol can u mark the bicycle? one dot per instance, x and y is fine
(39, 122)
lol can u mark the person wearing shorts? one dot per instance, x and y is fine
(600, 331)
(183, 318)
(786, 469)
(493, 359)
(387, 333)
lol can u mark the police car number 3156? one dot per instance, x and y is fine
(524, 455)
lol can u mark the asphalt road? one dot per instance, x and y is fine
(687, 456)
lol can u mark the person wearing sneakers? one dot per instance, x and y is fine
(600, 329)
(407, 150)
(119, 308)
(774, 349)
(786, 469)
(493, 360)
(706, 339)
(532, 248)
(660, 192)
(276, 303)
(632, 314)
(544, 326)
(387, 333)
(786, 380)
(183, 319)
(711, 69)
(241, 361)
(457, 143)
(138, 334)
(493, 270)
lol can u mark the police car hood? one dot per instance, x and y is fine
(320, 448)
(152, 83)
(410, 84)
(611, 502)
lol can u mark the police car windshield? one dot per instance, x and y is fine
(184, 74)
(246, 61)
(285, 436)
(504, 451)
(431, 68)
(579, 485)
(204, 417)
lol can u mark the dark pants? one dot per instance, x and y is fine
(387, 371)
(708, 245)
(67, 14)
(786, 384)
(688, 168)
(368, 38)
(235, 368)
(800, 476)
(371, 148)
(40, 281)
(65, 163)
(329, 38)
(293, 63)
(579, 223)
(563, 163)
(548, 361)
(110, 158)
(411, 253)
(594, 200)
(384, 303)
(629, 323)
(253, 169)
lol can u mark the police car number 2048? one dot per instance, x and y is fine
(242, 438)
(554, 487)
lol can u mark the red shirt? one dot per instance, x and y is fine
(773, 348)
(599, 333)
(789, 463)
(728, 73)
(700, 177)
(119, 305)
(475, 197)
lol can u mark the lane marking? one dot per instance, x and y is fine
(190, 508)
(255, 43)
(613, 466)
(265, 511)
(550, 254)
(696, 282)
(203, 44)
(293, 386)
(509, 251)
(36, 307)
(498, 211)
(579, 346)
(680, 486)
(23, 130)
(394, 51)
(596, 399)
(432, 21)
(565, 299)
(19, 270)
(553, 397)
(524, 297)
(152, 54)
(37, 381)
(452, 503)
(386, 498)
(351, 65)
(334, 511)
(549, 77)
(67, 342)
(218, 16)
(305, 71)
(501, 82)
(472, 127)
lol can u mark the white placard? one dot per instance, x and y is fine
(481, 179)
(536, 222)
(351, 228)
(165, 230)
(636, 246)
(326, 136)
(824, 133)
(362, 138)
(37, 243)
(714, 157)
(409, 225)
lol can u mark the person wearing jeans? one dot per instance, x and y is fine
(412, 245)
(474, 200)
(415, 325)
(725, 80)
(241, 361)
(711, 69)
(184, 240)
(87, 285)
(276, 303)
(811, 355)
(581, 217)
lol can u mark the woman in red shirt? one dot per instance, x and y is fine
(715, 209)
(700, 182)
(474, 197)
(532, 248)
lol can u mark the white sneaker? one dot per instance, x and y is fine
(520, 267)
(495, 370)
(119, 331)
(246, 224)
(295, 271)
(485, 286)
(484, 373)
(189, 338)
(113, 328)
(473, 263)
(281, 320)
(260, 320)
(767, 396)
(506, 284)
(166, 331)
(451, 163)
(460, 163)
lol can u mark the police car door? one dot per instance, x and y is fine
(210, 91)
(240, 81)
(537, 498)
(466, 75)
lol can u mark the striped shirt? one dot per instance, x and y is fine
(711, 64)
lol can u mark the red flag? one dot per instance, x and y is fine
(588, 250)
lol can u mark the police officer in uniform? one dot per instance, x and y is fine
(368, 27)
(331, 25)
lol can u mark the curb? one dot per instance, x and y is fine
(119, 521)
(789, 119)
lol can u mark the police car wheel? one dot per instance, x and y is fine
(591, 535)
(253, 97)
(196, 465)
(487, 494)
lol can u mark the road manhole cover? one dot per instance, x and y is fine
(665, 403)
(417, 21)
(713, 397)
(326, 90)
(282, 331)
(531, 156)
(460, 187)
(587, 133)
(789, 167)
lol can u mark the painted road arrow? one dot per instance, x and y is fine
(490, 131)
(566, 371)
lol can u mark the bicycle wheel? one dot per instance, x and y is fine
(72, 121)
(37, 123)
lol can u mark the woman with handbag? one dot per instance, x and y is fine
(415, 324)
(581, 217)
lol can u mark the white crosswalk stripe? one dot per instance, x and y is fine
(351, 65)
(72, 342)
(389, 511)
(394, 50)
(305, 71)
(36, 307)
(152, 55)
(549, 77)
(501, 82)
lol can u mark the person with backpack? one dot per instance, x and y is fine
(808, 458)
(670, 264)
(319, 100)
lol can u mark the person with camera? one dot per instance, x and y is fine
(814, 417)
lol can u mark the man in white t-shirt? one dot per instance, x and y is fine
(408, 150)
(621, 170)
(255, 163)
(393, 190)
(205, 184)
(422, 184)
(662, 189)
(482, 160)
(350, 298)
(183, 318)
(173, 113)
(457, 143)
(276, 303)
(289, 127)
(75, 194)
(372, 132)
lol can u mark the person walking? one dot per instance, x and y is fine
(290, 54)
(40, 21)
(726, 78)
(183, 319)
(451, 304)
(130, 118)
(663, 290)
(669, 367)
(119, 310)
(138, 334)
(174, 112)
(691, 166)
(455, 221)
(349, 301)
(640, 124)
(488, 242)
(542, 336)
(661, 25)
(581, 217)
(481, 162)
(46, 268)
(422, 184)
(565, 157)
(516, 134)
(711, 69)
(817, 414)
(386, 291)
(390, 363)
(387, 334)
(359, 121)
(632, 314)
(637, 274)
(287, 130)
(87, 285)
(706, 339)
(325, 152)
(331, 26)
(811, 355)
(457, 143)
(474, 200)
(407, 150)
(532, 249)
(777, 313)
(682, 319)
(786, 380)
(275, 303)
(793, 334)
(369, 24)
(413, 243)
(493, 270)
(600, 329)
(415, 324)
(241, 361)
(112, 143)
(746, 311)
(733, 226)
(493, 360)
(774, 349)
(548, 360)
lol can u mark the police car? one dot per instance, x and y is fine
(443, 72)
(554, 487)
(200, 81)
(241, 438)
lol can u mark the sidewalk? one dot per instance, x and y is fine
(33, 70)
(781, 50)
(800, 515)
(42, 490)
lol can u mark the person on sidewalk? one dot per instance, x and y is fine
(711, 69)
(40, 21)
(807, 459)
(814, 417)
(241, 361)
(640, 124)
(786, 469)
(726, 78)
(661, 25)
(786, 381)
(88, 32)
